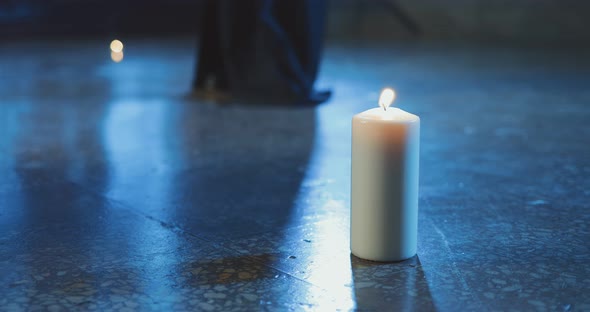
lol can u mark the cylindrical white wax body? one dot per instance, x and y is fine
(384, 194)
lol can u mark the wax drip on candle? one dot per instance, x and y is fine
(386, 98)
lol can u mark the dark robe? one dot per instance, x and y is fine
(262, 49)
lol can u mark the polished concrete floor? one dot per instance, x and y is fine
(119, 191)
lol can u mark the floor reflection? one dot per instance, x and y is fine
(120, 192)
(136, 136)
(56, 221)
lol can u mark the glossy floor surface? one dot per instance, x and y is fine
(118, 191)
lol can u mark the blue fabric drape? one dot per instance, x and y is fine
(262, 49)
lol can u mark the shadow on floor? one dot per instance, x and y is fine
(400, 286)
(244, 166)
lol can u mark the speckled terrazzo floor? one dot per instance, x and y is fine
(120, 192)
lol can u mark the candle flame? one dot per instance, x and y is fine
(386, 98)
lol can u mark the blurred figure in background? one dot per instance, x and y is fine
(261, 50)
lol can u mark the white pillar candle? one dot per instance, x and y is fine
(384, 195)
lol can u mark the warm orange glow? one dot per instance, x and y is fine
(116, 46)
(386, 98)
(116, 56)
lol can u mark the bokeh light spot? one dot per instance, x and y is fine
(116, 46)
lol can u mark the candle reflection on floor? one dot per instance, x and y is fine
(117, 56)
